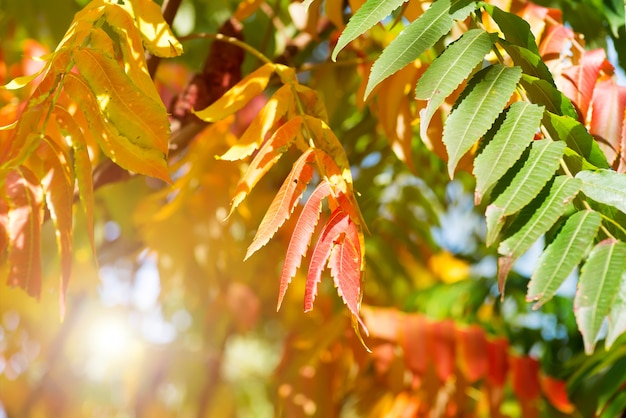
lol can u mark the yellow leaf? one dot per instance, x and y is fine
(449, 268)
(246, 8)
(121, 149)
(334, 11)
(156, 33)
(140, 118)
(238, 96)
(252, 138)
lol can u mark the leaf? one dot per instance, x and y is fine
(579, 81)
(507, 145)
(372, 12)
(617, 315)
(417, 38)
(284, 202)
(525, 377)
(489, 91)
(443, 347)
(301, 238)
(275, 108)
(543, 92)
(516, 30)
(447, 72)
(577, 138)
(598, 286)
(238, 96)
(563, 254)
(497, 361)
(413, 337)
(335, 226)
(605, 186)
(142, 119)
(156, 33)
(537, 170)
(607, 116)
(472, 348)
(561, 193)
(25, 217)
(269, 153)
(58, 188)
(345, 268)
(530, 62)
(82, 168)
(555, 391)
(119, 148)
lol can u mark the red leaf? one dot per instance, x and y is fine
(58, 187)
(345, 268)
(556, 392)
(497, 361)
(525, 378)
(607, 116)
(284, 202)
(301, 237)
(336, 225)
(25, 199)
(443, 348)
(269, 153)
(413, 342)
(472, 344)
(555, 40)
(580, 80)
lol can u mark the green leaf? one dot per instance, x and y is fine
(617, 316)
(516, 30)
(560, 194)
(577, 138)
(562, 255)
(489, 91)
(542, 92)
(605, 186)
(530, 62)
(417, 38)
(598, 288)
(541, 164)
(372, 12)
(507, 145)
(449, 70)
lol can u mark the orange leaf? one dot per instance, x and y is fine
(301, 237)
(345, 268)
(413, 341)
(4, 221)
(238, 95)
(58, 187)
(269, 153)
(525, 378)
(556, 392)
(284, 202)
(25, 199)
(275, 108)
(608, 117)
(497, 361)
(472, 344)
(155, 32)
(337, 224)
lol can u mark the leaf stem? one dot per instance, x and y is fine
(230, 40)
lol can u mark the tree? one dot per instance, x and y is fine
(336, 125)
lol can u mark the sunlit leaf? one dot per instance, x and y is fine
(238, 96)
(25, 199)
(491, 89)
(252, 138)
(562, 255)
(617, 315)
(516, 30)
(506, 146)
(598, 287)
(417, 38)
(284, 202)
(301, 238)
(528, 181)
(607, 116)
(449, 70)
(578, 81)
(372, 12)
(536, 223)
(605, 186)
(269, 153)
(156, 33)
